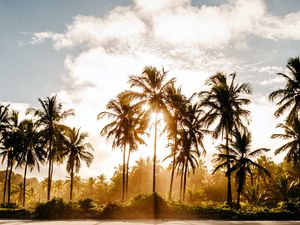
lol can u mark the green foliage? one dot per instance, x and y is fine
(291, 206)
(112, 210)
(86, 203)
(9, 213)
(54, 209)
(149, 203)
(8, 205)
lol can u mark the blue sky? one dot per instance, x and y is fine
(85, 50)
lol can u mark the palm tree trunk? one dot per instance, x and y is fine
(123, 174)
(71, 183)
(24, 183)
(49, 171)
(154, 154)
(9, 181)
(181, 184)
(229, 195)
(49, 179)
(5, 181)
(238, 199)
(184, 181)
(173, 164)
(127, 176)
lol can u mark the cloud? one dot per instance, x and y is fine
(186, 40)
(165, 22)
(168, 23)
(279, 27)
(40, 37)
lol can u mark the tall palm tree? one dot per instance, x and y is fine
(190, 141)
(176, 103)
(125, 128)
(49, 117)
(224, 103)
(289, 95)
(10, 147)
(241, 157)
(137, 127)
(4, 111)
(75, 150)
(292, 135)
(32, 152)
(152, 86)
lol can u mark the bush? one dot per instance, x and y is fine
(149, 206)
(86, 203)
(8, 205)
(6, 213)
(289, 206)
(112, 210)
(54, 209)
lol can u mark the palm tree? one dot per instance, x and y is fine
(75, 150)
(125, 128)
(137, 126)
(224, 104)
(32, 152)
(152, 86)
(10, 147)
(176, 103)
(189, 142)
(292, 135)
(284, 187)
(241, 158)
(289, 95)
(49, 117)
(3, 126)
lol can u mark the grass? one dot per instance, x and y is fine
(150, 206)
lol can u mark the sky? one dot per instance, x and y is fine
(84, 51)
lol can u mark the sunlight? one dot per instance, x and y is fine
(160, 119)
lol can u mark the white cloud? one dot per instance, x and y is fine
(39, 37)
(279, 27)
(188, 41)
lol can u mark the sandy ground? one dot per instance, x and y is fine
(145, 222)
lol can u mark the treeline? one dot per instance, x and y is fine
(203, 187)
(220, 111)
(41, 140)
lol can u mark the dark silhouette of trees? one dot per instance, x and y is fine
(49, 118)
(241, 157)
(224, 102)
(31, 152)
(76, 150)
(152, 87)
(289, 96)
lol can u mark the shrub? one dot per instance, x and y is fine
(86, 203)
(54, 209)
(149, 205)
(8, 205)
(112, 210)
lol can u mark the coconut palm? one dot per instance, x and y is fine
(10, 147)
(224, 103)
(32, 152)
(292, 135)
(137, 126)
(190, 142)
(152, 86)
(76, 150)
(176, 103)
(241, 158)
(49, 118)
(125, 128)
(3, 126)
(289, 95)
